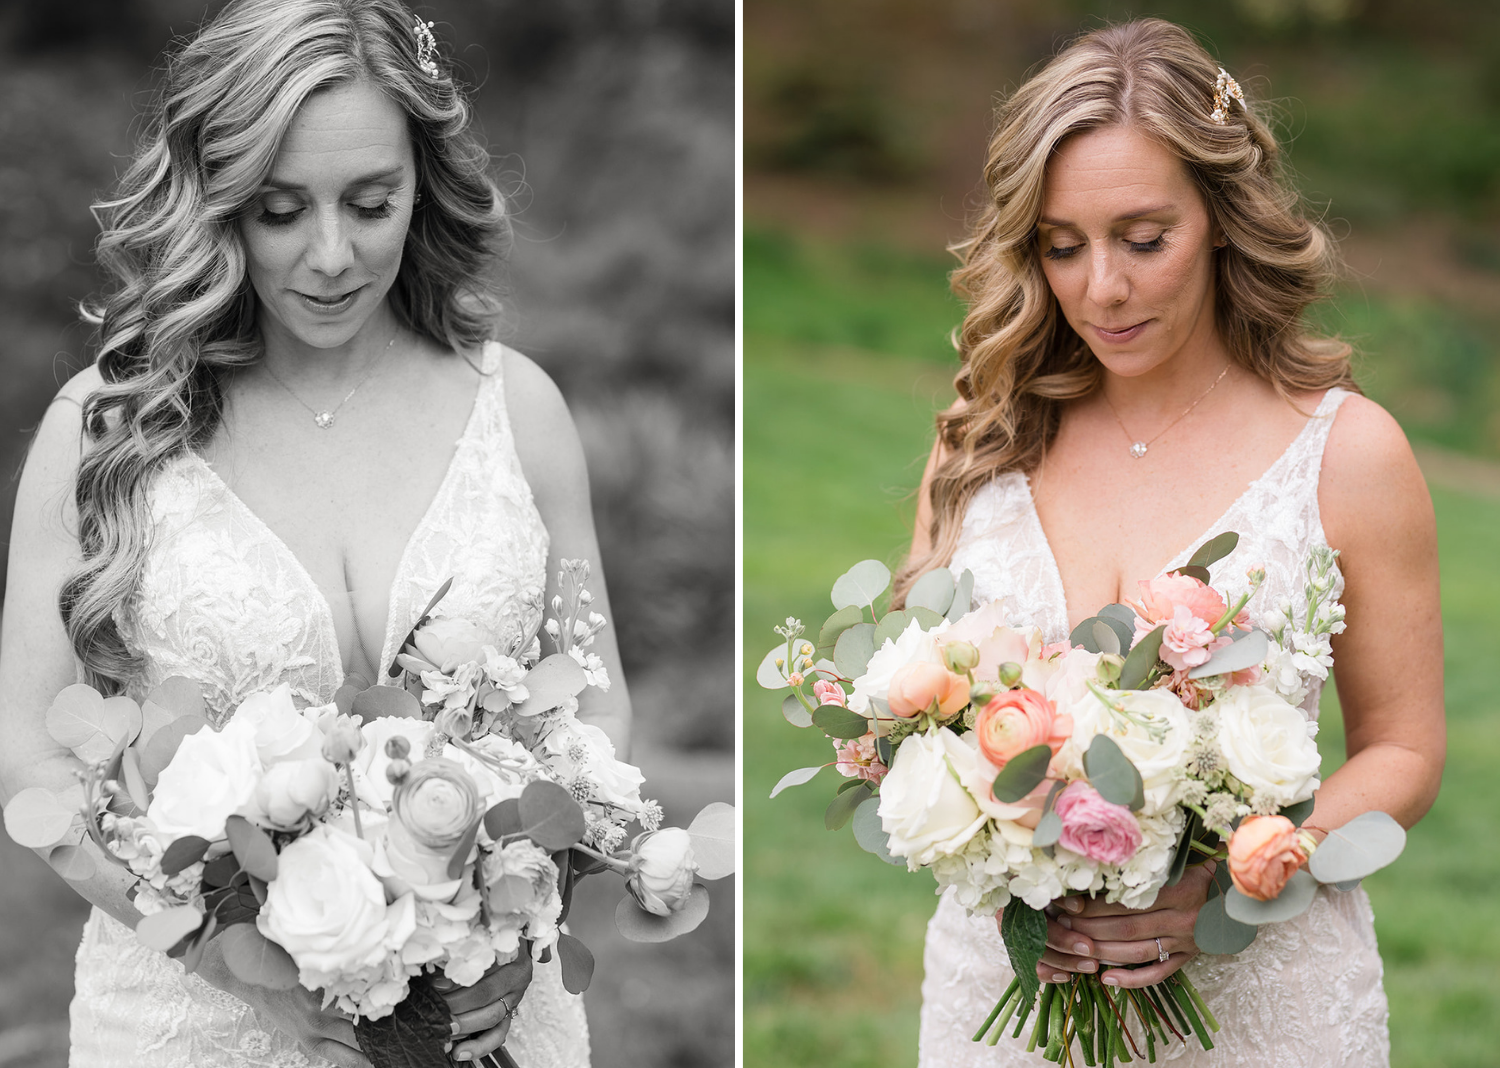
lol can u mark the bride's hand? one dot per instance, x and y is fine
(297, 1012)
(484, 1011)
(1088, 934)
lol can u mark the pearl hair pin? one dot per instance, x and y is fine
(426, 48)
(1225, 90)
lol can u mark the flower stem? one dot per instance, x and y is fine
(359, 830)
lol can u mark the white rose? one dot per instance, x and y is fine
(212, 776)
(923, 808)
(1063, 679)
(369, 764)
(1268, 744)
(998, 643)
(1153, 733)
(912, 645)
(293, 791)
(664, 870)
(327, 909)
(448, 643)
(281, 732)
(508, 767)
(573, 749)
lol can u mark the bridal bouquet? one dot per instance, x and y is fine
(363, 847)
(1158, 735)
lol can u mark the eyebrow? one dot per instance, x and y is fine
(1119, 219)
(367, 179)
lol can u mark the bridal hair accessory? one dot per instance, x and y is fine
(1225, 89)
(427, 49)
(1138, 447)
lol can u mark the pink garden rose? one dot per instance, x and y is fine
(1161, 596)
(830, 693)
(1015, 721)
(1096, 828)
(1264, 852)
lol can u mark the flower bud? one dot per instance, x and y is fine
(795, 678)
(806, 650)
(1110, 666)
(398, 769)
(1256, 574)
(961, 657)
(1010, 674)
(397, 747)
(663, 867)
(342, 741)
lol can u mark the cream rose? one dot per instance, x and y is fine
(912, 645)
(1268, 744)
(573, 749)
(328, 910)
(664, 870)
(212, 776)
(294, 791)
(1153, 733)
(997, 642)
(923, 808)
(281, 732)
(507, 768)
(369, 764)
(448, 643)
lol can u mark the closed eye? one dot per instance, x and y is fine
(1156, 245)
(1056, 253)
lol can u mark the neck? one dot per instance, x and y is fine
(1166, 389)
(296, 362)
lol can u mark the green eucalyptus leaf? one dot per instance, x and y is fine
(1184, 848)
(890, 627)
(1105, 638)
(768, 674)
(550, 817)
(861, 584)
(794, 712)
(1215, 549)
(1351, 884)
(163, 930)
(836, 721)
(1248, 649)
(1217, 932)
(933, 590)
(1299, 812)
(37, 818)
(852, 652)
(837, 623)
(713, 833)
(576, 962)
(73, 863)
(849, 784)
(183, 853)
(884, 751)
(869, 833)
(1143, 657)
(1083, 635)
(638, 925)
(1121, 613)
(252, 847)
(1112, 774)
(1021, 774)
(925, 616)
(1048, 829)
(963, 597)
(843, 805)
(796, 778)
(1194, 571)
(1359, 848)
(1295, 899)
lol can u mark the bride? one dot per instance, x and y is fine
(295, 430)
(1136, 377)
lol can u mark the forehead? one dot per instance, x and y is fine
(342, 132)
(1111, 172)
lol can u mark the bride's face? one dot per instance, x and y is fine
(1127, 247)
(324, 236)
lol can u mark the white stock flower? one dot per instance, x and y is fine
(212, 776)
(923, 807)
(1268, 744)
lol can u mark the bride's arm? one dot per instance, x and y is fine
(552, 459)
(36, 661)
(1389, 669)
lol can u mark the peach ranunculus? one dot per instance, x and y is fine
(914, 688)
(1015, 721)
(1264, 852)
(1161, 596)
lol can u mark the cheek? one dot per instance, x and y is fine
(268, 255)
(1181, 281)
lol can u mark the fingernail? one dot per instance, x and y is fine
(1072, 905)
(1110, 980)
(1059, 977)
(465, 1056)
(1086, 966)
(1065, 921)
(456, 1029)
(1081, 948)
(447, 1047)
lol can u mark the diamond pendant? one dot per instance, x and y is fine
(325, 420)
(1138, 449)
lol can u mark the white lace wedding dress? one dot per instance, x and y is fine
(1306, 992)
(224, 602)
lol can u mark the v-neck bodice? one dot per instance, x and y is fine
(1277, 518)
(224, 601)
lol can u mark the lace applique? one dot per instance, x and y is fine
(1307, 991)
(223, 601)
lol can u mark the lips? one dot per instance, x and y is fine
(330, 304)
(1122, 334)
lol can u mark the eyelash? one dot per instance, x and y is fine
(286, 218)
(1155, 245)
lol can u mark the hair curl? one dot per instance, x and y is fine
(181, 312)
(1021, 361)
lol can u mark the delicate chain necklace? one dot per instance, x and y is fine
(324, 416)
(1138, 447)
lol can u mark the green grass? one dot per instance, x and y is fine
(834, 442)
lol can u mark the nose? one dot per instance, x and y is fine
(330, 250)
(1108, 284)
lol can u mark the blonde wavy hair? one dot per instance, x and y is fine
(1021, 361)
(180, 312)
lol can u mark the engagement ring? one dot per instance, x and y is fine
(1161, 954)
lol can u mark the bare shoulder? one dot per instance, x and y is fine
(58, 445)
(546, 439)
(1371, 488)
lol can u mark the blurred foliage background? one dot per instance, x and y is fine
(611, 124)
(865, 131)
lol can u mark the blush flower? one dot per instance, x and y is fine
(830, 693)
(1264, 852)
(857, 758)
(916, 688)
(1188, 641)
(1096, 828)
(1017, 720)
(1161, 596)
